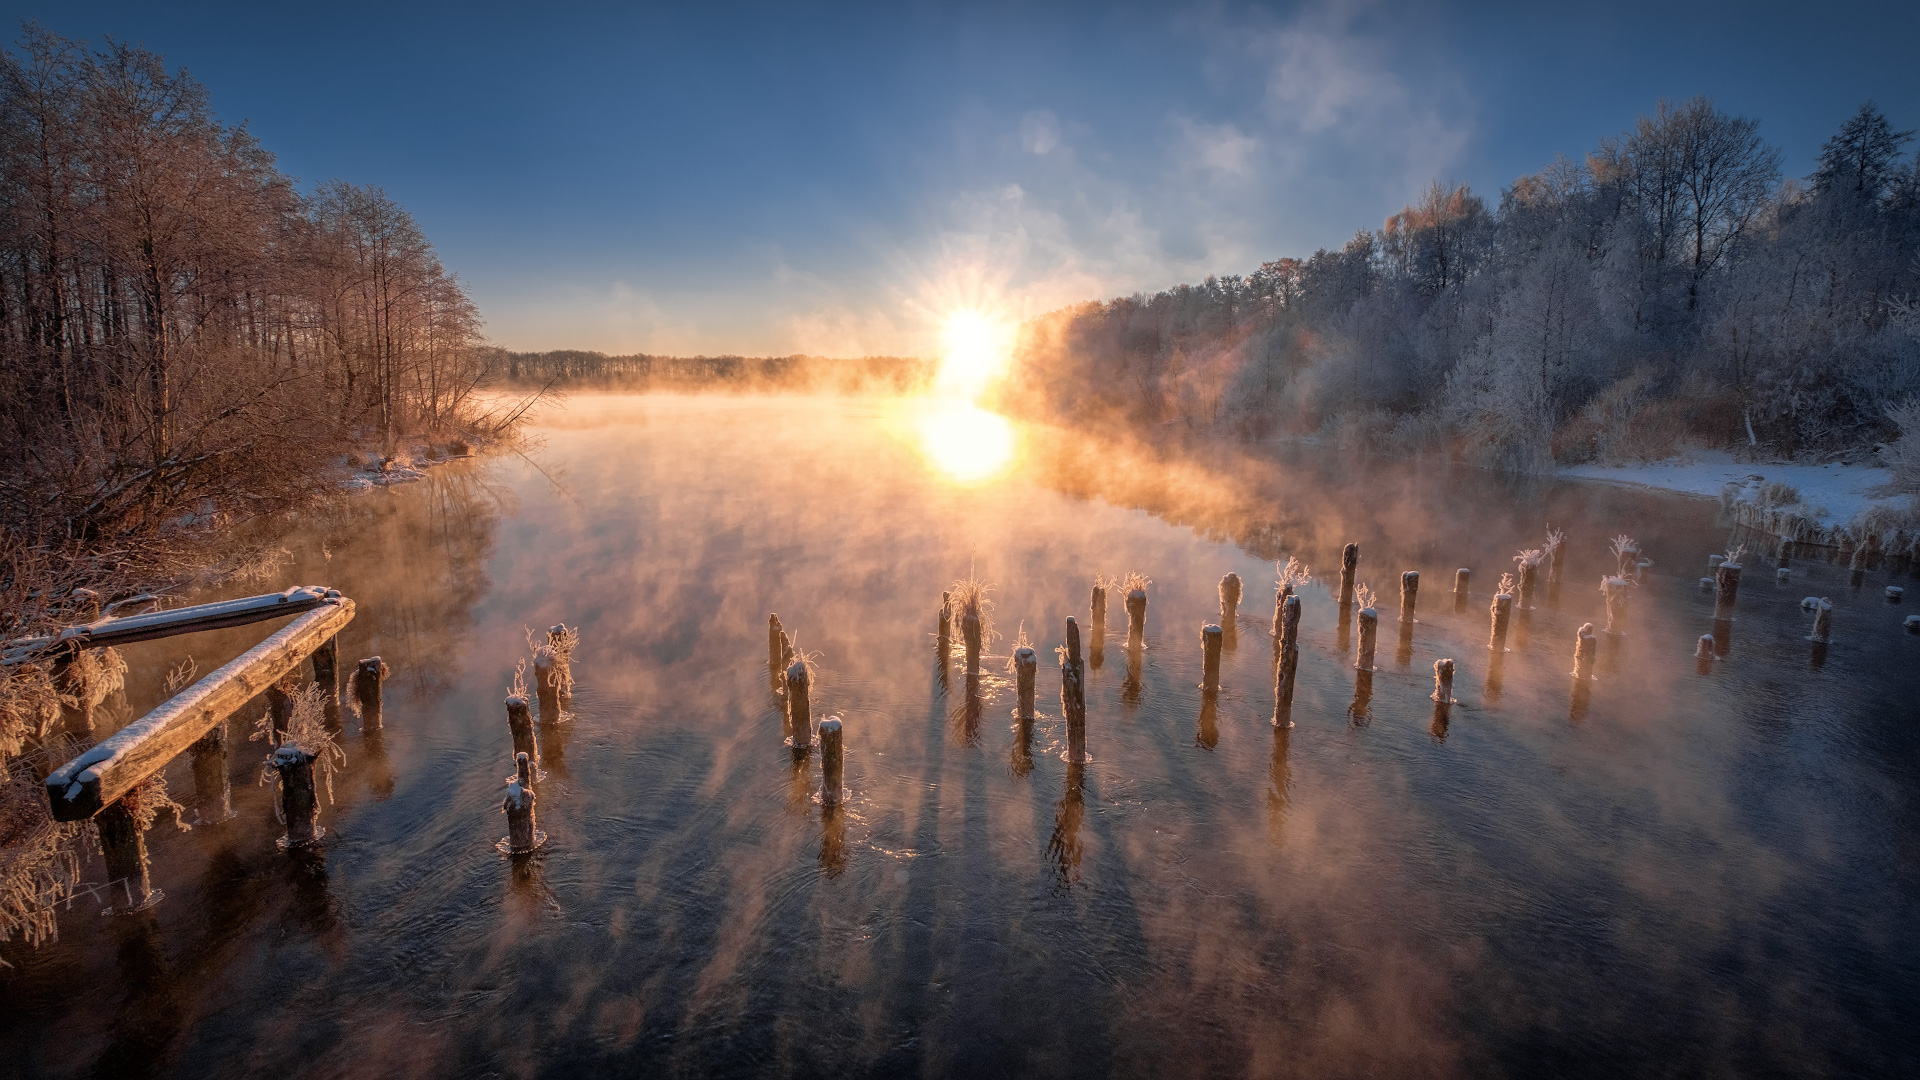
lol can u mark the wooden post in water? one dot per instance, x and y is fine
(1585, 649)
(1283, 677)
(299, 803)
(545, 690)
(1025, 664)
(1369, 630)
(1702, 654)
(1857, 567)
(799, 706)
(970, 636)
(1210, 635)
(1502, 615)
(368, 677)
(1529, 574)
(832, 762)
(1073, 698)
(1822, 622)
(279, 706)
(1229, 599)
(520, 725)
(523, 833)
(946, 627)
(776, 641)
(1443, 681)
(326, 672)
(212, 788)
(123, 846)
(1349, 563)
(1460, 579)
(1615, 591)
(1136, 617)
(562, 641)
(1097, 629)
(1409, 593)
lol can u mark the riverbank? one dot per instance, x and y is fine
(1808, 503)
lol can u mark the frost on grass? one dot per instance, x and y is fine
(1733, 556)
(1507, 585)
(39, 857)
(970, 598)
(553, 653)
(517, 692)
(1019, 642)
(1289, 578)
(1530, 557)
(1902, 455)
(1363, 595)
(1135, 583)
(307, 733)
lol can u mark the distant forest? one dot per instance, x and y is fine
(1670, 289)
(571, 369)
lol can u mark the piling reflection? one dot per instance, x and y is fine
(1403, 649)
(1496, 670)
(1063, 847)
(378, 770)
(1360, 710)
(1279, 784)
(1208, 733)
(1130, 686)
(833, 840)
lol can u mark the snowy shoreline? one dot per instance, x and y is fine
(1827, 504)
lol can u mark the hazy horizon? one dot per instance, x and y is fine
(836, 185)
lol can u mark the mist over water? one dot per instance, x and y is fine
(1668, 873)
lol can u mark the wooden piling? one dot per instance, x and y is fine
(1369, 630)
(799, 706)
(1585, 649)
(545, 690)
(1349, 564)
(1460, 579)
(212, 787)
(1529, 574)
(1229, 599)
(1443, 681)
(562, 641)
(970, 636)
(1097, 629)
(279, 706)
(1136, 617)
(520, 726)
(299, 803)
(1703, 651)
(523, 832)
(326, 672)
(1210, 636)
(1025, 664)
(1615, 591)
(123, 846)
(1289, 660)
(369, 676)
(945, 642)
(1726, 580)
(1290, 625)
(1822, 622)
(1409, 594)
(831, 762)
(1073, 699)
(1502, 615)
(776, 642)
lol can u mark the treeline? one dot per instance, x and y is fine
(1670, 289)
(572, 369)
(186, 338)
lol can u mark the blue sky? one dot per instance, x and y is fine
(780, 178)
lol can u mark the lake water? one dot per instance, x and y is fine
(1667, 874)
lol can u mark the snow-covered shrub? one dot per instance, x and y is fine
(1902, 455)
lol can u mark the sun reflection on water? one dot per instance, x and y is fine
(966, 443)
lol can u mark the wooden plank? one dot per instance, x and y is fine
(82, 787)
(187, 620)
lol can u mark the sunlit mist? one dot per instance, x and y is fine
(966, 443)
(975, 352)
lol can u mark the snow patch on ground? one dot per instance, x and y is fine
(1833, 493)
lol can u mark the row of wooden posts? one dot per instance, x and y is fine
(553, 692)
(792, 674)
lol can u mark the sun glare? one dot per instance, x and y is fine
(967, 443)
(976, 347)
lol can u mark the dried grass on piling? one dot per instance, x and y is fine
(1292, 576)
(970, 598)
(307, 732)
(556, 650)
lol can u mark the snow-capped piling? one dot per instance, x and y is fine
(1097, 628)
(1409, 594)
(544, 689)
(1586, 648)
(368, 677)
(1894, 593)
(1025, 664)
(799, 705)
(776, 641)
(1614, 589)
(523, 833)
(1529, 563)
(1073, 699)
(1136, 586)
(1443, 682)
(1229, 599)
(1913, 624)
(1210, 635)
(1822, 622)
(970, 637)
(212, 786)
(1726, 583)
(123, 847)
(1857, 568)
(1349, 564)
(1627, 554)
(562, 640)
(520, 724)
(1461, 578)
(1369, 631)
(1714, 561)
(299, 803)
(1703, 654)
(1290, 625)
(832, 760)
(326, 674)
(1502, 616)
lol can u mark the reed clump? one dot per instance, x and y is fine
(307, 733)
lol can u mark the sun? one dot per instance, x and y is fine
(976, 348)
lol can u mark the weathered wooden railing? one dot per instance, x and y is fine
(97, 782)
